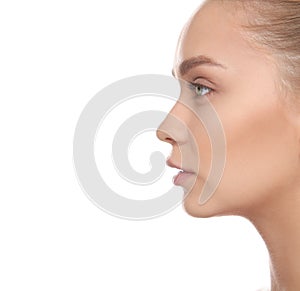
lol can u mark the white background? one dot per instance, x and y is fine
(55, 56)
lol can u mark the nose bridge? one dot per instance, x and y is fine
(174, 127)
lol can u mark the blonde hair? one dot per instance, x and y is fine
(275, 25)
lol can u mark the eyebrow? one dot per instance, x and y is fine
(193, 62)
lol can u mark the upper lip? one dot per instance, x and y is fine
(173, 164)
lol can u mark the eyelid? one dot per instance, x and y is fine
(199, 81)
(200, 84)
(204, 82)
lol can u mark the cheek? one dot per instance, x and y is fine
(261, 161)
(261, 154)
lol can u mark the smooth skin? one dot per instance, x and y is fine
(261, 178)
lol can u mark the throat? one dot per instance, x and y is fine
(281, 232)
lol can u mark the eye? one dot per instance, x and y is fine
(200, 90)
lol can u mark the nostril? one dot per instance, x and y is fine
(173, 130)
(164, 136)
(169, 140)
(161, 135)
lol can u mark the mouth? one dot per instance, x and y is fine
(182, 176)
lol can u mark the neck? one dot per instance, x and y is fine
(279, 226)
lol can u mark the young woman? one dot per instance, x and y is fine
(243, 58)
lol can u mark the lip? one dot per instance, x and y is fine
(182, 176)
(175, 165)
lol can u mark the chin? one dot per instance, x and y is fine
(196, 211)
(193, 208)
(213, 207)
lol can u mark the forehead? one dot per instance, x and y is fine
(214, 32)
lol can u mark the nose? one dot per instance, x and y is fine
(174, 127)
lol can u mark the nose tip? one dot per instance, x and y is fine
(164, 136)
(160, 134)
(173, 130)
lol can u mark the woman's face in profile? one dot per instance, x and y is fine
(243, 87)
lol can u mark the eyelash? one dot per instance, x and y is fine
(193, 87)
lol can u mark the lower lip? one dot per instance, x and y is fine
(181, 177)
